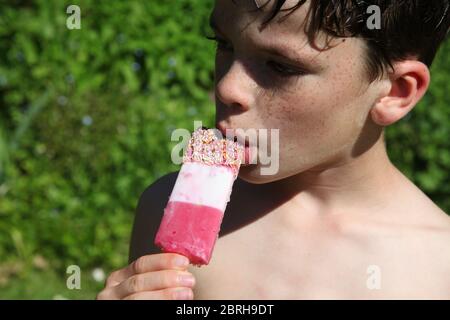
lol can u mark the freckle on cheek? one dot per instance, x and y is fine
(286, 109)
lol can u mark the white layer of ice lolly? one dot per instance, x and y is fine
(206, 185)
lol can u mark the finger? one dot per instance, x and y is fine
(179, 293)
(106, 294)
(152, 281)
(149, 263)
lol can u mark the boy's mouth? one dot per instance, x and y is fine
(237, 140)
(247, 152)
(241, 140)
(232, 134)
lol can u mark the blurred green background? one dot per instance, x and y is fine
(85, 123)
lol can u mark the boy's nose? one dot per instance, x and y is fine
(236, 88)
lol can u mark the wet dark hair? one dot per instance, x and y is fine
(408, 27)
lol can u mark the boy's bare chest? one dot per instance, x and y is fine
(258, 263)
(267, 271)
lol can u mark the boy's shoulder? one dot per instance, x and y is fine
(422, 229)
(418, 209)
(149, 212)
(419, 206)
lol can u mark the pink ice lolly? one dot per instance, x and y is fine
(194, 213)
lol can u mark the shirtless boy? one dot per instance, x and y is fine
(338, 220)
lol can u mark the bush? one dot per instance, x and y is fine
(86, 117)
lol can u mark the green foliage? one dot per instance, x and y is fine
(86, 117)
(48, 285)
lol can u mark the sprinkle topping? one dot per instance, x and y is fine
(206, 147)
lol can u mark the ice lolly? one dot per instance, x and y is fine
(194, 212)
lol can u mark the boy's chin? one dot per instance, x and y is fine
(252, 174)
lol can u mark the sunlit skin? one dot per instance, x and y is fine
(337, 206)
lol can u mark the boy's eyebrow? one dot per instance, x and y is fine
(280, 50)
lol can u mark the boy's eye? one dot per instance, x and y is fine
(281, 69)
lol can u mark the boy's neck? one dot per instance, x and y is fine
(365, 181)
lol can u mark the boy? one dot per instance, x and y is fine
(337, 220)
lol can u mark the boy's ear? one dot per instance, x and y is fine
(409, 82)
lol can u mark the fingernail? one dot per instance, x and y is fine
(186, 280)
(183, 294)
(181, 261)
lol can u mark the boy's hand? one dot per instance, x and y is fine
(161, 276)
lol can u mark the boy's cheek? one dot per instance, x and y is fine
(312, 132)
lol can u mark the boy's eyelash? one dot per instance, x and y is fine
(282, 70)
(278, 68)
(220, 43)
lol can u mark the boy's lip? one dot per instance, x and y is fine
(236, 138)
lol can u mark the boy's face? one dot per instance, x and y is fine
(319, 101)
